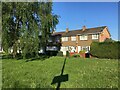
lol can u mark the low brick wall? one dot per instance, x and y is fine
(72, 53)
(82, 55)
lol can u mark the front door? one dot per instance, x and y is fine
(79, 49)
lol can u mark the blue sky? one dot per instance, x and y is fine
(91, 14)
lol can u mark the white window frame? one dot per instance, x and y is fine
(87, 48)
(95, 36)
(64, 39)
(65, 48)
(83, 37)
(73, 38)
(51, 48)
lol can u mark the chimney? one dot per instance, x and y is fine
(67, 30)
(83, 28)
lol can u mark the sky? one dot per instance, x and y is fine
(74, 15)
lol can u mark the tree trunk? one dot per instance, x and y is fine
(14, 50)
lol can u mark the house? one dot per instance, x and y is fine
(54, 42)
(75, 40)
(81, 39)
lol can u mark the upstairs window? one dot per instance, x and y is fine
(64, 38)
(50, 40)
(57, 39)
(95, 36)
(73, 38)
(83, 37)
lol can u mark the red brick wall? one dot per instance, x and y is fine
(105, 34)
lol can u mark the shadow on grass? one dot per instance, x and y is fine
(42, 58)
(61, 77)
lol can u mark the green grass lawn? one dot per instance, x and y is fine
(82, 73)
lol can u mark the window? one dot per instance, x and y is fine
(51, 48)
(83, 37)
(72, 48)
(86, 48)
(64, 38)
(73, 38)
(95, 36)
(50, 39)
(57, 39)
(64, 48)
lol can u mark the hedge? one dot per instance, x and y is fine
(108, 50)
(60, 53)
(76, 55)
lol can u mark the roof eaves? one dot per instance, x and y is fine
(89, 33)
(108, 31)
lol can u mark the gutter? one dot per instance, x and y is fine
(90, 33)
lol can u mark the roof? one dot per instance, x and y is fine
(86, 31)
(94, 30)
(57, 33)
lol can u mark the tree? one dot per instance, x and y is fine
(48, 22)
(22, 23)
(0, 16)
(12, 18)
(109, 40)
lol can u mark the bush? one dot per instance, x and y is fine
(29, 55)
(60, 53)
(19, 56)
(7, 56)
(82, 51)
(51, 53)
(76, 55)
(105, 50)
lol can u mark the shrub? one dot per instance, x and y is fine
(76, 55)
(19, 56)
(51, 53)
(60, 53)
(105, 50)
(29, 55)
(82, 51)
(7, 56)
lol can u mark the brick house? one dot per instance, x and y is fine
(54, 42)
(81, 39)
(75, 40)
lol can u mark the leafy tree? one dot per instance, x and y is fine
(22, 24)
(0, 15)
(48, 22)
(109, 40)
